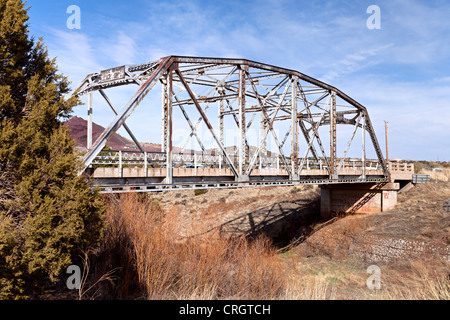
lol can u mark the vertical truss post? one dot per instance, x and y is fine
(363, 147)
(195, 164)
(89, 122)
(164, 115)
(242, 122)
(168, 115)
(221, 116)
(333, 135)
(294, 131)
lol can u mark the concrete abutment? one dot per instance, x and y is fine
(357, 198)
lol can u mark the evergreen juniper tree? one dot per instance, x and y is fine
(48, 214)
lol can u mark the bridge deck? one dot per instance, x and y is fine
(135, 179)
(123, 178)
(215, 172)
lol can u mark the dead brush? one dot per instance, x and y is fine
(415, 280)
(347, 229)
(206, 267)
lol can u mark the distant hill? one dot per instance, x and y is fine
(78, 131)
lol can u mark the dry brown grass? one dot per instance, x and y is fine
(207, 267)
(320, 277)
(419, 215)
(442, 175)
(418, 280)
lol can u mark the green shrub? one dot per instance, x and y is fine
(198, 192)
(48, 214)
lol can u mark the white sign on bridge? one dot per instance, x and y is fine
(112, 74)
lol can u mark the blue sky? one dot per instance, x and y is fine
(400, 72)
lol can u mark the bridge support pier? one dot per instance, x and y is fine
(357, 198)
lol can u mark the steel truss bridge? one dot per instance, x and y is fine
(219, 93)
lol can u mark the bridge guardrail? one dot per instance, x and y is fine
(401, 170)
(401, 167)
(420, 178)
(115, 158)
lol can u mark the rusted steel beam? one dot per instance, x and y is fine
(208, 124)
(126, 112)
(168, 109)
(242, 122)
(163, 115)
(294, 128)
(226, 61)
(332, 117)
(268, 67)
(136, 142)
(269, 128)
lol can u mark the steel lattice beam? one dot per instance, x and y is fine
(237, 87)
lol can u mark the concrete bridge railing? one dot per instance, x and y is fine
(401, 170)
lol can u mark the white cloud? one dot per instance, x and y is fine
(75, 56)
(123, 50)
(355, 62)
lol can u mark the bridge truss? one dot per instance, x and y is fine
(242, 94)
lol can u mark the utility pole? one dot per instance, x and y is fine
(387, 152)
